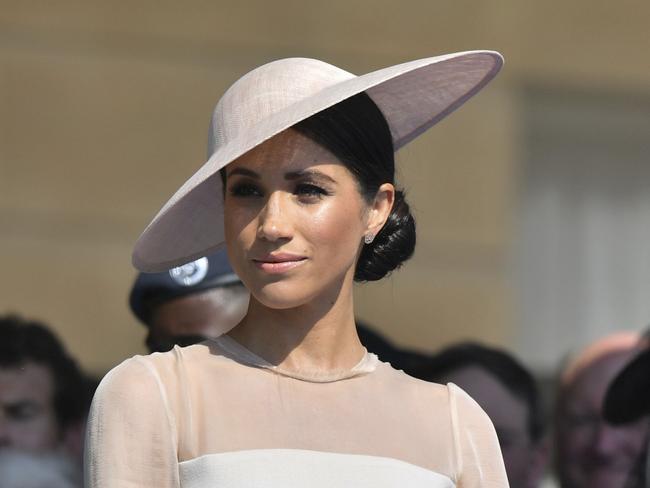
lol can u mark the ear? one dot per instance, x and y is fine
(380, 208)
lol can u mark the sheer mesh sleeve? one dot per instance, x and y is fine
(478, 457)
(130, 438)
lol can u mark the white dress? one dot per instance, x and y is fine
(216, 415)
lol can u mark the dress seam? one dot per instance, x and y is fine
(185, 444)
(453, 414)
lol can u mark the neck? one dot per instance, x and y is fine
(317, 336)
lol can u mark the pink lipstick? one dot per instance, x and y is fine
(277, 263)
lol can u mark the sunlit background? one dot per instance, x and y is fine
(532, 201)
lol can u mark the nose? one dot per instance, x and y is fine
(274, 222)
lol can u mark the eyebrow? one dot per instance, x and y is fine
(291, 175)
(244, 172)
(308, 173)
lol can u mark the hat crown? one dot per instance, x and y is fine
(265, 91)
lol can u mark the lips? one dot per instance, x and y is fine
(279, 262)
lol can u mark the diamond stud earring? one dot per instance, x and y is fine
(368, 238)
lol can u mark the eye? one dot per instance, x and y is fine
(244, 190)
(310, 191)
(22, 412)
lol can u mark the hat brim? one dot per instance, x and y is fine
(412, 96)
(628, 396)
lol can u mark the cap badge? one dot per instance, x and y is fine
(191, 273)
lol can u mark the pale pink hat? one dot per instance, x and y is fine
(412, 96)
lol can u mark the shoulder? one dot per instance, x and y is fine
(169, 372)
(477, 453)
(465, 411)
(424, 391)
(132, 380)
(446, 397)
(456, 416)
(146, 374)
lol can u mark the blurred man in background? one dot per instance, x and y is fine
(509, 395)
(591, 453)
(627, 401)
(204, 298)
(44, 397)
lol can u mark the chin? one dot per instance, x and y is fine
(293, 290)
(282, 295)
(280, 301)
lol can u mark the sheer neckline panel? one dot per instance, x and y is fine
(239, 353)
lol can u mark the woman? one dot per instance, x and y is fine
(300, 186)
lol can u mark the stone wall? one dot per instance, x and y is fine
(104, 109)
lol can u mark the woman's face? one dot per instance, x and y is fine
(294, 221)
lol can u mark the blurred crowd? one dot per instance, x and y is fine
(588, 430)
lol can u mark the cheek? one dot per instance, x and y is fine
(632, 438)
(237, 218)
(335, 227)
(36, 433)
(239, 229)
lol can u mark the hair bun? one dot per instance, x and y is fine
(393, 245)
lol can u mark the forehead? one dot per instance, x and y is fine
(30, 381)
(592, 382)
(288, 151)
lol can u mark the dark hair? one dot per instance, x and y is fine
(357, 133)
(23, 341)
(501, 365)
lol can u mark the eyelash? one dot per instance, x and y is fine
(244, 190)
(309, 189)
(305, 190)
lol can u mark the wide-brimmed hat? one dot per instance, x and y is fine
(412, 96)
